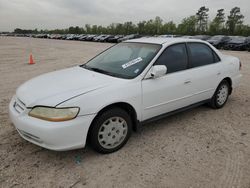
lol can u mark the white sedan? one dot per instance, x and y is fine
(131, 83)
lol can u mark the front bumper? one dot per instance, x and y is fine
(59, 136)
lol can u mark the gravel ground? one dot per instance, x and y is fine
(197, 148)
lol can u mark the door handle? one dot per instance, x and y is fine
(187, 82)
(218, 73)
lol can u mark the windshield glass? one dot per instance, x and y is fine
(124, 60)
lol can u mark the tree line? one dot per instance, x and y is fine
(199, 23)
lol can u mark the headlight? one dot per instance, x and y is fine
(54, 114)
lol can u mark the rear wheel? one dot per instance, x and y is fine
(110, 130)
(221, 95)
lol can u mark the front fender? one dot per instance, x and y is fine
(93, 102)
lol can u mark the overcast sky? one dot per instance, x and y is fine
(51, 14)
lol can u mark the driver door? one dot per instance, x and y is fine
(171, 91)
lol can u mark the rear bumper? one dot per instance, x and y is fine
(57, 136)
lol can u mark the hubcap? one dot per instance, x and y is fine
(112, 132)
(222, 94)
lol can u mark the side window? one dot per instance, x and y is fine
(216, 58)
(201, 54)
(174, 58)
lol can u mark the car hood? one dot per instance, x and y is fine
(56, 87)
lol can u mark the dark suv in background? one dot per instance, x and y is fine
(219, 41)
(237, 43)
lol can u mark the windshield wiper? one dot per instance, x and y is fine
(99, 70)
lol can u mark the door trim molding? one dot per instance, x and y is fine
(173, 112)
(181, 98)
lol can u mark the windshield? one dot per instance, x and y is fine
(124, 60)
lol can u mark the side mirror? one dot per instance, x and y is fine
(156, 71)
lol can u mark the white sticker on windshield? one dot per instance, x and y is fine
(132, 62)
(136, 71)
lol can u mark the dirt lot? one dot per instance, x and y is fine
(198, 148)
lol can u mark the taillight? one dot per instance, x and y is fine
(240, 66)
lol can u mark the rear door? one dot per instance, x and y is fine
(206, 70)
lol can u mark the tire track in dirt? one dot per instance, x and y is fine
(232, 175)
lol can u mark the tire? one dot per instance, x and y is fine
(110, 131)
(220, 96)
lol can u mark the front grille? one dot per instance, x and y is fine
(19, 106)
(30, 136)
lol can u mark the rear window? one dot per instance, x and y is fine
(201, 54)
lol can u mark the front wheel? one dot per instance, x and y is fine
(110, 130)
(221, 95)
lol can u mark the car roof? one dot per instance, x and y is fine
(162, 40)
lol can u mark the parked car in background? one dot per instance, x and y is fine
(129, 84)
(201, 37)
(42, 36)
(82, 38)
(89, 37)
(77, 37)
(98, 37)
(31, 35)
(10, 35)
(71, 37)
(55, 36)
(219, 41)
(105, 38)
(19, 35)
(115, 38)
(236, 43)
(63, 36)
(128, 37)
(186, 36)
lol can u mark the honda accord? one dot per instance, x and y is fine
(117, 91)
